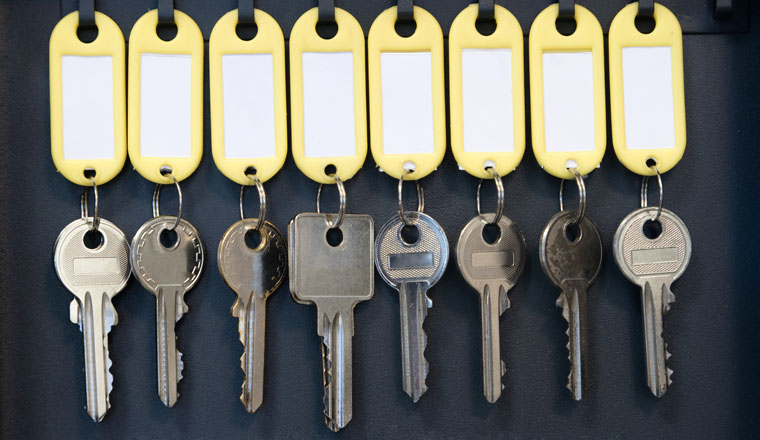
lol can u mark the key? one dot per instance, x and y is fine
(492, 269)
(335, 276)
(412, 267)
(653, 262)
(572, 265)
(168, 270)
(94, 276)
(253, 274)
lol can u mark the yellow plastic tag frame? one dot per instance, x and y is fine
(188, 41)
(109, 42)
(623, 33)
(427, 37)
(349, 38)
(544, 37)
(464, 35)
(225, 41)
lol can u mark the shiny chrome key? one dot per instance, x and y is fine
(492, 269)
(253, 274)
(572, 265)
(168, 271)
(653, 263)
(412, 267)
(94, 276)
(335, 276)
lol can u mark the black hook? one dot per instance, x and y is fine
(566, 10)
(245, 12)
(87, 14)
(166, 13)
(723, 9)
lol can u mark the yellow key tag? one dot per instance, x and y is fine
(406, 95)
(328, 98)
(485, 76)
(567, 93)
(646, 91)
(248, 107)
(165, 98)
(88, 101)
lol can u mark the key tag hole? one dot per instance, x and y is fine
(652, 229)
(334, 237)
(409, 234)
(645, 25)
(254, 239)
(166, 32)
(485, 27)
(169, 239)
(246, 31)
(405, 29)
(327, 30)
(93, 239)
(573, 232)
(87, 34)
(491, 233)
(566, 26)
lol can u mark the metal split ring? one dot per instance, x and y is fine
(420, 197)
(499, 197)
(581, 195)
(645, 189)
(85, 210)
(262, 201)
(341, 199)
(157, 195)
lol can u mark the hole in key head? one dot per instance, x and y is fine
(168, 238)
(491, 233)
(573, 232)
(334, 237)
(410, 234)
(93, 239)
(253, 239)
(652, 229)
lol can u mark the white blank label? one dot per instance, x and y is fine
(488, 118)
(407, 90)
(87, 96)
(165, 104)
(569, 101)
(328, 104)
(648, 97)
(248, 93)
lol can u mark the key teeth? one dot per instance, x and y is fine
(180, 366)
(504, 302)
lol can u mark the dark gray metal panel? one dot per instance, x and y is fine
(712, 328)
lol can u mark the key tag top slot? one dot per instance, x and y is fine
(165, 98)
(88, 101)
(406, 92)
(647, 107)
(328, 98)
(485, 73)
(248, 100)
(567, 91)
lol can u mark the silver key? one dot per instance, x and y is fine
(335, 279)
(168, 273)
(412, 269)
(94, 276)
(653, 264)
(491, 269)
(572, 266)
(253, 274)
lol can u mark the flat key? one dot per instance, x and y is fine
(94, 276)
(168, 270)
(412, 267)
(492, 269)
(653, 262)
(572, 266)
(334, 275)
(253, 274)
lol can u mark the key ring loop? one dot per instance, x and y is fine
(420, 197)
(581, 195)
(342, 200)
(499, 197)
(85, 210)
(645, 190)
(262, 200)
(157, 196)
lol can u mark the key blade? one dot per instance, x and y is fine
(170, 306)
(572, 300)
(252, 324)
(337, 329)
(491, 308)
(96, 317)
(414, 303)
(655, 300)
